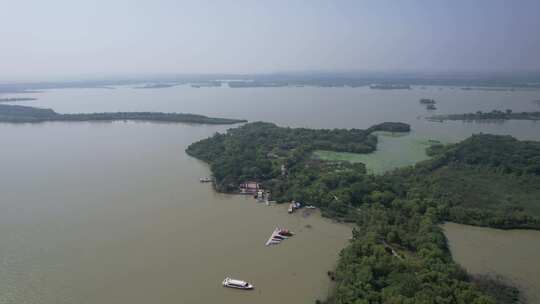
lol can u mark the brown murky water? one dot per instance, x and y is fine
(514, 254)
(114, 213)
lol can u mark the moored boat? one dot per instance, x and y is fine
(238, 284)
(285, 232)
(278, 235)
(205, 179)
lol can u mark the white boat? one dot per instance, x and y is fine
(205, 179)
(310, 207)
(238, 284)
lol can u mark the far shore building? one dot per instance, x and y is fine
(250, 187)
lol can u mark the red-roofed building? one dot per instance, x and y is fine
(249, 187)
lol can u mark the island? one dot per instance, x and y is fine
(156, 86)
(256, 84)
(25, 114)
(390, 87)
(390, 127)
(206, 84)
(13, 99)
(487, 116)
(488, 89)
(427, 101)
(398, 252)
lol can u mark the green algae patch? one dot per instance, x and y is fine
(393, 151)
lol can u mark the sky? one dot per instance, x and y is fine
(55, 38)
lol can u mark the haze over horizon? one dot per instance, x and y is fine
(60, 38)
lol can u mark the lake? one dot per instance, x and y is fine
(114, 212)
(318, 107)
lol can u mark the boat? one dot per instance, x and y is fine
(205, 179)
(310, 207)
(238, 284)
(285, 232)
(278, 235)
(272, 240)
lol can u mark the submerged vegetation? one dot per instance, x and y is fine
(493, 115)
(398, 253)
(24, 114)
(394, 150)
(496, 286)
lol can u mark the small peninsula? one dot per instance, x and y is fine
(14, 99)
(398, 249)
(259, 150)
(487, 116)
(25, 114)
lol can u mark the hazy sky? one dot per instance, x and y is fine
(50, 38)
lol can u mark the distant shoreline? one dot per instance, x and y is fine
(383, 80)
(15, 99)
(494, 115)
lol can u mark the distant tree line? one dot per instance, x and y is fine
(12, 99)
(493, 115)
(24, 114)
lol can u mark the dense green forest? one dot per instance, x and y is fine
(390, 127)
(493, 115)
(398, 253)
(258, 150)
(22, 114)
